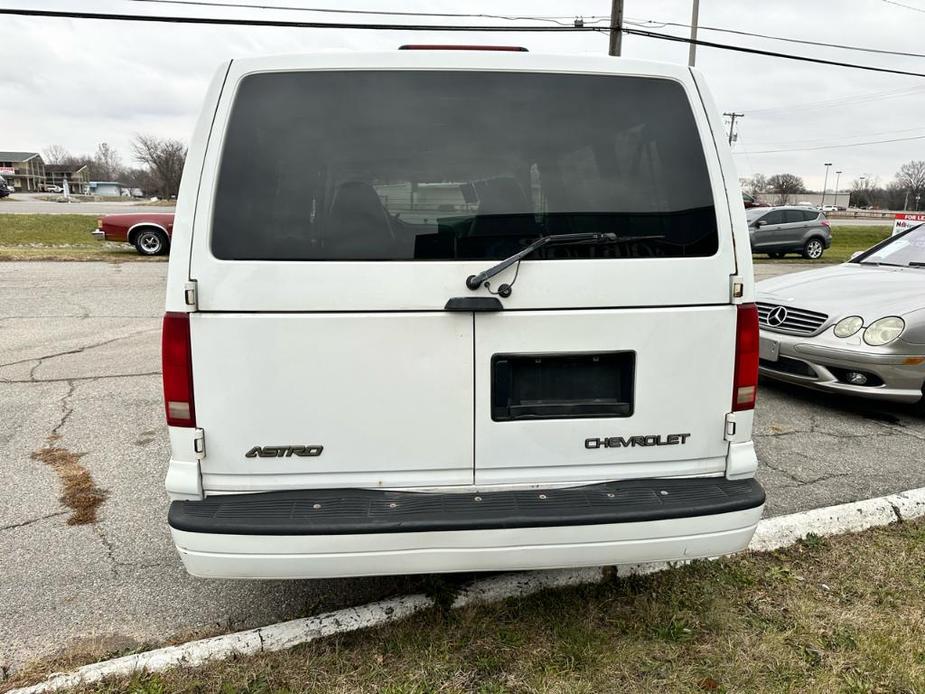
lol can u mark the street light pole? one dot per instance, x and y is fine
(827, 165)
(837, 179)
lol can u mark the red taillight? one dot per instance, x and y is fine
(745, 382)
(458, 47)
(177, 365)
(826, 223)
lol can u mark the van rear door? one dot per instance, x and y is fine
(342, 209)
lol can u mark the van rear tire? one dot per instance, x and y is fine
(813, 249)
(151, 242)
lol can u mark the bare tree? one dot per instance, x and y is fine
(911, 177)
(784, 185)
(863, 189)
(106, 164)
(164, 157)
(56, 154)
(755, 185)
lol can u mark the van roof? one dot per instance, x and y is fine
(457, 59)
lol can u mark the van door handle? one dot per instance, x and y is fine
(475, 304)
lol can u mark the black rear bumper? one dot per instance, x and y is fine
(361, 511)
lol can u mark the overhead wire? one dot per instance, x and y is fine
(224, 21)
(384, 13)
(904, 5)
(772, 37)
(838, 146)
(818, 139)
(847, 100)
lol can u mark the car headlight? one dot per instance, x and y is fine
(847, 327)
(885, 330)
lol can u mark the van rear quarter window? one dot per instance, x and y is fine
(459, 165)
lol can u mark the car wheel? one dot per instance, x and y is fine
(776, 254)
(813, 249)
(151, 242)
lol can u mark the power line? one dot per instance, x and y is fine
(390, 13)
(771, 54)
(817, 139)
(837, 146)
(846, 100)
(904, 6)
(217, 21)
(787, 39)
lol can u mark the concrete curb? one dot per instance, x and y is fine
(773, 533)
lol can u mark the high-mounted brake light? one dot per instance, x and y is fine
(458, 47)
(745, 381)
(177, 367)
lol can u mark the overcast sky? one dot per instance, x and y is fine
(80, 82)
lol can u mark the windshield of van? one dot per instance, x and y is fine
(429, 165)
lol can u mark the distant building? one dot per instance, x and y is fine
(25, 171)
(841, 200)
(107, 188)
(76, 175)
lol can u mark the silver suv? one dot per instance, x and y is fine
(781, 230)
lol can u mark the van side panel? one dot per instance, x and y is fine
(732, 190)
(188, 197)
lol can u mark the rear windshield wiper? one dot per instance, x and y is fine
(473, 282)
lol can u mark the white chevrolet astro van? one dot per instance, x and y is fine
(458, 310)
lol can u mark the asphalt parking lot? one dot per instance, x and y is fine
(79, 371)
(33, 203)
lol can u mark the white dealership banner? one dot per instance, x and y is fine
(903, 221)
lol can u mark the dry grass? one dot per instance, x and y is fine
(846, 240)
(839, 615)
(59, 237)
(80, 493)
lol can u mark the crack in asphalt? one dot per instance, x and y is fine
(800, 481)
(68, 410)
(779, 434)
(32, 520)
(79, 378)
(78, 350)
(108, 547)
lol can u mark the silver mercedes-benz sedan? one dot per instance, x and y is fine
(856, 328)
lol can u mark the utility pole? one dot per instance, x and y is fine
(692, 53)
(732, 120)
(616, 27)
(826, 182)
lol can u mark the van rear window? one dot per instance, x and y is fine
(430, 165)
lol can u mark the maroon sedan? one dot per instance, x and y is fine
(149, 232)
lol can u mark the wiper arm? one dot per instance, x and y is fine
(473, 282)
(916, 263)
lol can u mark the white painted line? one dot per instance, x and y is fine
(772, 533)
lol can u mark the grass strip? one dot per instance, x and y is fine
(59, 237)
(840, 614)
(845, 241)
